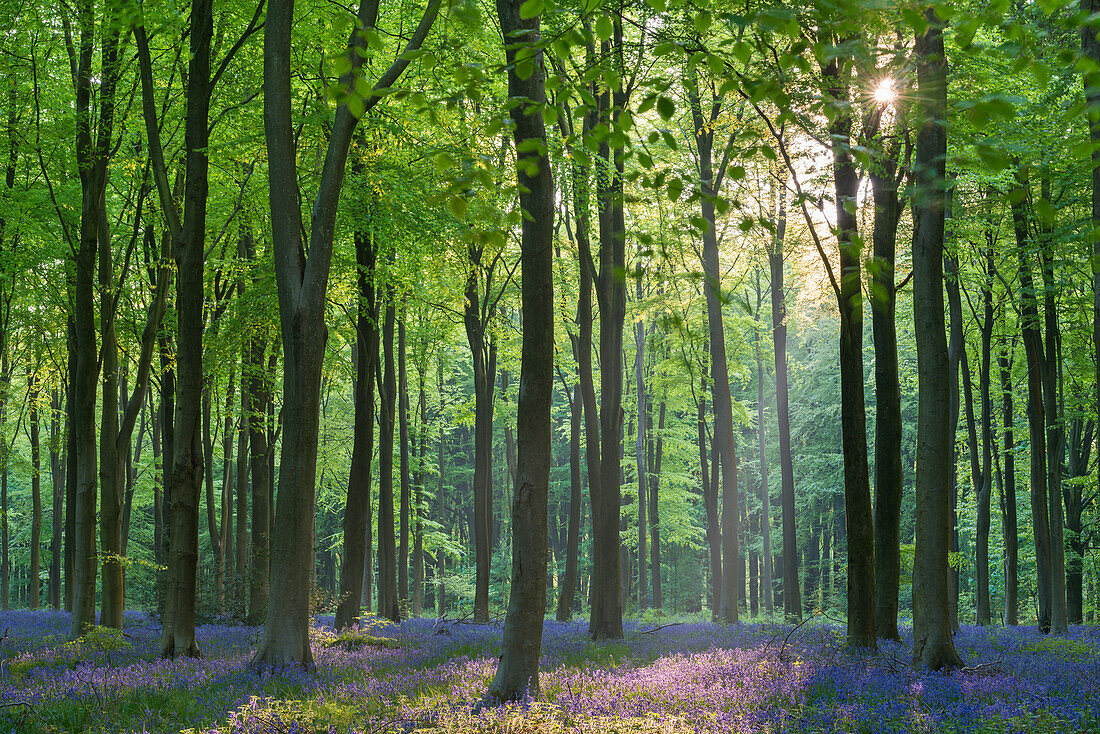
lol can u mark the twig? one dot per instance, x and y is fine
(636, 635)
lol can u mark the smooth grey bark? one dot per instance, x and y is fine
(517, 673)
(639, 453)
(765, 522)
(403, 448)
(567, 588)
(933, 646)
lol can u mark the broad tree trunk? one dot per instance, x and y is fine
(933, 646)
(517, 673)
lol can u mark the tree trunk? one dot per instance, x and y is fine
(357, 510)
(708, 478)
(639, 454)
(606, 620)
(888, 431)
(985, 488)
(858, 513)
(792, 598)
(517, 673)
(1033, 350)
(403, 439)
(418, 496)
(765, 522)
(33, 394)
(302, 283)
(568, 587)
(184, 490)
(92, 159)
(57, 477)
(1008, 493)
(478, 313)
(956, 350)
(654, 516)
(1055, 434)
(933, 646)
(723, 405)
(387, 551)
(256, 383)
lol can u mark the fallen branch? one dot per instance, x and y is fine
(636, 635)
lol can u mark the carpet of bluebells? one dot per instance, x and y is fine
(427, 675)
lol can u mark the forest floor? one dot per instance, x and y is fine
(426, 674)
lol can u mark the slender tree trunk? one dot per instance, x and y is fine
(247, 252)
(483, 353)
(607, 573)
(418, 496)
(792, 598)
(1008, 491)
(708, 478)
(985, 487)
(57, 477)
(1090, 44)
(857, 491)
(639, 454)
(517, 673)
(1055, 434)
(403, 439)
(956, 350)
(33, 395)
(387, 552)
(654, 515)
(256, 384)
(933, 646)
(765, 523)
(888, 431)
(1033, 350)
(441, 498)
(568, 587)
(357, 509)
(723, 404)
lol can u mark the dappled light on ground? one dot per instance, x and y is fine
(427, 674)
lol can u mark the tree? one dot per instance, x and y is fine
(302, 282)
(517, 673)
(933, 646)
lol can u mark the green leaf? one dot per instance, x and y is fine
(457, 205)
(356, 106)
(604, 28)
(531, 9)
(666, 107)
(703, 22)
(675, 188)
